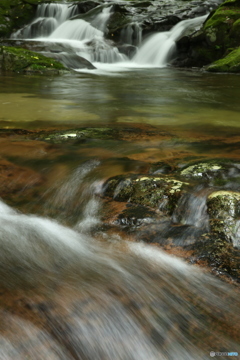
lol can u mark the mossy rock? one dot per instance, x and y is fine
(26, 61)
(230, 63)
(219, 254)
(212, 171)
(160, 193)
(80, 135)
(221, 29)
(223, 208)
(201, 170)
(219, 35)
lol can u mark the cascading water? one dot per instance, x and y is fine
(85, 299)
(86, 39)
(159, 48)
(48, 18)
(69, 289)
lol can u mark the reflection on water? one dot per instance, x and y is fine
(148, 96)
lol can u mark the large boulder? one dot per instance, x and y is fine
(25, 61)
(217, 39)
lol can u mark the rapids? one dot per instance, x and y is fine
(78, 292)
(70, 287)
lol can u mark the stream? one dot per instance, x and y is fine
(71, 287)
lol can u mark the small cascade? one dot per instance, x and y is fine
(192, 209)
(75, 30)
(158, 49)
(101, 19)
(48, 18)
(60, 12)
(69, 198)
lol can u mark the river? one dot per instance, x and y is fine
(70, 288)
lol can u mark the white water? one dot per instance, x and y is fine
(48, 18)
(158, 49)
(87, 39)
(126, 301)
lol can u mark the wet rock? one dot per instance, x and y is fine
(219, 254)
(216, 40)
(82, 134)
(21, 60)
(213, 171)
(85, 6)
(160, 167)
(71, 61)
(156, 192)
(78, 135)
(230, 63)
(135, 216)
(224, 210)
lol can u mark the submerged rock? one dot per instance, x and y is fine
(136, 215)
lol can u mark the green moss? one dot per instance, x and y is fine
(202, 170)
(219, 254)
(22, 60)
(223, 16)
(230, 63)
(156, 192)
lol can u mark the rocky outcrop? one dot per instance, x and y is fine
(230, 63)
(25, 61)
(218, 39)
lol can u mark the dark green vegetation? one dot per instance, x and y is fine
(218, 39)
(21, 60)
(230, 63)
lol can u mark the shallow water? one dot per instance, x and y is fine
(80, 292)
(159, 97)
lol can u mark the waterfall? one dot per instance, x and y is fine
(76, 30)
(101, 19)
(61, 23)
(158, 49)
(48, 18)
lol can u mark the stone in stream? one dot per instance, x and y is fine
(224, 212)
(164, 210)
(153, 191)
(215, 172)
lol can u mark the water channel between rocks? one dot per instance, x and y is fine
(74, 283)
